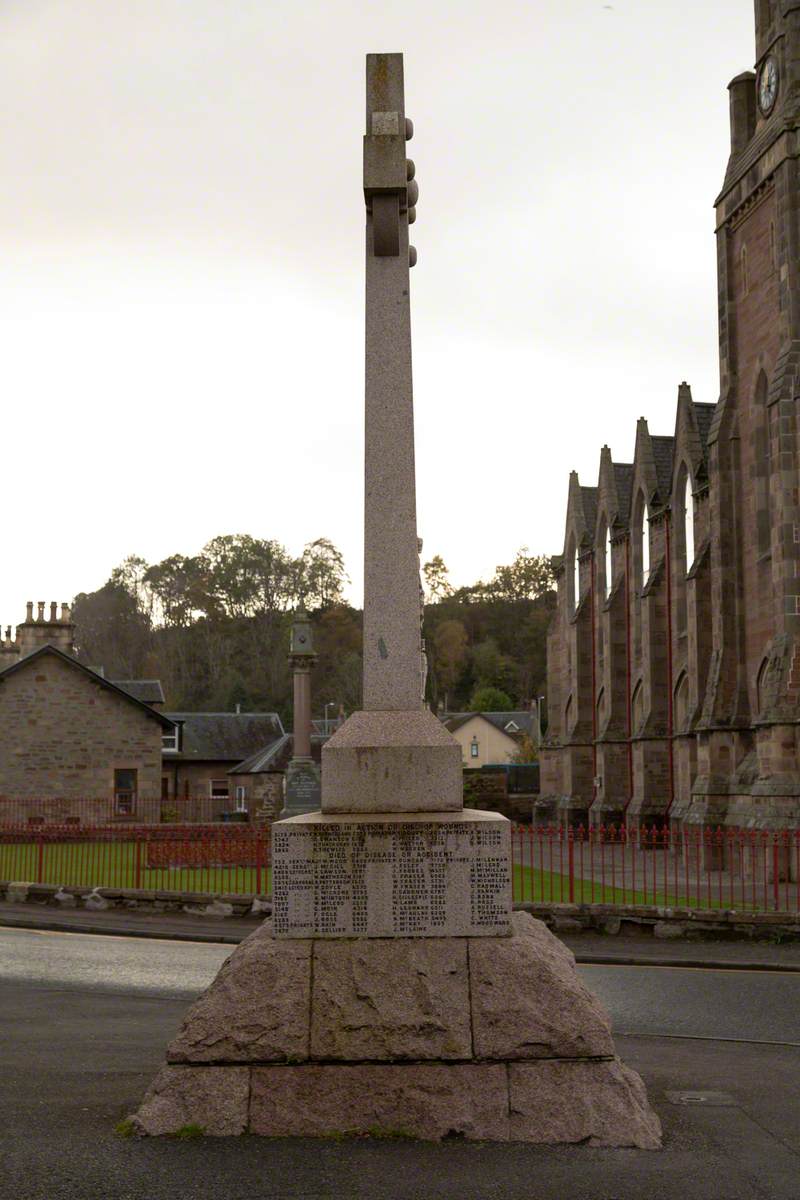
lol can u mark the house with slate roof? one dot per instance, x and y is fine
(490, 737)
(224, 762)
(77, 747)
(73, 745)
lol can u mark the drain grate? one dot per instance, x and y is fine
(710, 1099)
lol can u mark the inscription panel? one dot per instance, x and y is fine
(391, 877)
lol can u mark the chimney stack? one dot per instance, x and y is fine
(43, 631)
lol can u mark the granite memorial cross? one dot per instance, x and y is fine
(393, 851)
(393, 989)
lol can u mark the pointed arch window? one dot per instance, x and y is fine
(761, 681)
(645, 535)
(681, 702)
(688, 520)
(609, 566)
(762, 467)
(576, 579)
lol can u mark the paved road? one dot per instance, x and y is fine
(84, 1021)
(761, 1007)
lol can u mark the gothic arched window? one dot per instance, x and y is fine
(576, 579)
(688, 520)
(681, 705)
(609, 568)
(645, 536)
(762, 466)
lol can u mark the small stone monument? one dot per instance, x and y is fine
(394, 990)
(302, 782)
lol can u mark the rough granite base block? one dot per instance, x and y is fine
(392, 875)
(423, 1036)
(392, 762)
(256, 1008)
(214, 1099)
(391, 999)
(427, 1101)
(599, 1103)
(528, 1001)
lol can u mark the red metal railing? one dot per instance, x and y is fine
(738, 869)
(725, 868)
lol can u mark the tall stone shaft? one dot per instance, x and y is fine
(394, 756)
(392, 637)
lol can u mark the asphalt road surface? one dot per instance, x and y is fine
(84, 1021)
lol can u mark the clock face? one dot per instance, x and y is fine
(768, 86)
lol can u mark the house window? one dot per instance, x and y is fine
(125, 783)
(219, 789)
(473, 748)
(171, 741)
(241, 796)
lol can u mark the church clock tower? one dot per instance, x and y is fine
(748, 743)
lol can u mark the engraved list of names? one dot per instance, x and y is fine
(391, 879)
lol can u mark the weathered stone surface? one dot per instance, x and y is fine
(411, 874)
(16, 893)
(390, 998)
(256, 1010)
(528, 1001)
(421, 1100)
(669, 930)
(601, 1103)
(215, 1099)
(392, 762)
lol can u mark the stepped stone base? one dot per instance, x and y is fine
(486, 1038)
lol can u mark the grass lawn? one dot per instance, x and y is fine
(117, 865)
(114, 865)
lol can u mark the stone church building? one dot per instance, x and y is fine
(674, 653)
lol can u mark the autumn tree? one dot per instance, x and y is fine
(437, 581)
(450, 645)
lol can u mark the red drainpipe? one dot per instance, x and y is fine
(594, 683)
(669, 665)
(629, 713)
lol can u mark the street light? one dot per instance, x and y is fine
(328, 704)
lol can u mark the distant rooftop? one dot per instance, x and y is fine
(149, 691)
(225, 736)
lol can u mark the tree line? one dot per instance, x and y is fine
(214, 628)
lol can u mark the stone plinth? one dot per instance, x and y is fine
(414, 874)
(485, 1038)
(392, 762)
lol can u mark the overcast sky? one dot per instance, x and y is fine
(181, 274)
